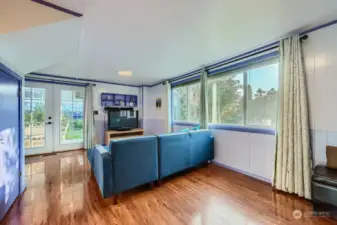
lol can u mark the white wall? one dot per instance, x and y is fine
(320, 53)
(102, 118)
(253, 154)
(155, 120)
(249, 153)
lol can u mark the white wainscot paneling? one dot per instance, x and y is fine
(231, 149)
(154, 126)
(248, 153)
(319, 144)
(261, 155)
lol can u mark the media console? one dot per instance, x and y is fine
(113, 134)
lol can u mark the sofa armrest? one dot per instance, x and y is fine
(102, 168)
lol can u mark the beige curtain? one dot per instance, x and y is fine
(90, 137)
(168, 108)
(293, 160)
(203, 100)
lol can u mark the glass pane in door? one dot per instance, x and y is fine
(34, 117)
(72, 111)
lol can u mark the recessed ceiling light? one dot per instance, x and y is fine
(125, 73)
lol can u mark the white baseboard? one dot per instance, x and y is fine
(243, 172)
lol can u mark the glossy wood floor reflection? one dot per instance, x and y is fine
(60, 190)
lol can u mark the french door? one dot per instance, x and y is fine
(54, 117)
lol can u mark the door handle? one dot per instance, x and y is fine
(48, 123)
(2, 141)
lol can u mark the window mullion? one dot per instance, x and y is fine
(31, 118)
(214, 103)
(245, 87)
(188, 106)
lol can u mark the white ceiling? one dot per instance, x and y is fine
(159, 39)
(30, 49)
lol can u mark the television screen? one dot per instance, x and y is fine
(122, 119)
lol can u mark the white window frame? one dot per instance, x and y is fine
(215, 99)
(244, 71)
(188, 111)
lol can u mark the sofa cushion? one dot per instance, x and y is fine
(202, 149)
(174, 153)
(324, 175)
(135, 162)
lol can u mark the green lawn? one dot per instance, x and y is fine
(74, 135)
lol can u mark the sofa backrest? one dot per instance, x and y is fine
(201, 146)
(173, 153)
(135, 161)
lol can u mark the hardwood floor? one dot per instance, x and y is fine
(61, 190)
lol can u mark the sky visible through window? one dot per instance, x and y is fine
(265, 77)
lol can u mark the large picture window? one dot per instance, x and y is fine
(245, 97)
(262, 87)
(186, 103)
(225, 99)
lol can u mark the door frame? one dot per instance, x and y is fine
(48, 146)
(54, 90)
(21, 158)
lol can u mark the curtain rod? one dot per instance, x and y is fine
(54, 81)
(227, 62)
(274, 45)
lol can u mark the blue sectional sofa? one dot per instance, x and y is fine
(125, 164)
(180, 151)
(131, 162)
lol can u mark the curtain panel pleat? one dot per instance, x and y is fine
(90, 138)
(293, 159)
(203, 100)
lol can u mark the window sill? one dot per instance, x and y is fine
(187, 124)
(238, 128)
(254, 130)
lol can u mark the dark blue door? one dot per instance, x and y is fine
(9, 142)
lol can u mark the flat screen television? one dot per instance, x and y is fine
(122, 119)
